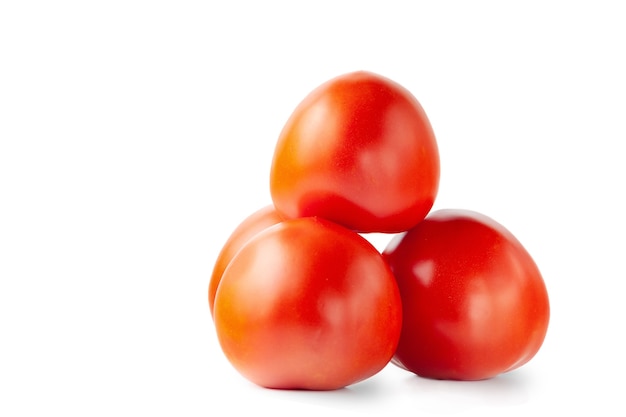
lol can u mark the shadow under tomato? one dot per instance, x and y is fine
(396, 389)
(447, 396)
(363, 394)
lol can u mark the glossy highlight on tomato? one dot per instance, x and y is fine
(256, 222)
(475, 304)
(308, 304)
(359, 150)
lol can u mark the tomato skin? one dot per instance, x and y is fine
(474, 302)
(358, 150)
(256, 222)
(308, 304)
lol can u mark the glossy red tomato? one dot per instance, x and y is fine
(261, 219)
(308, 304)
(358, 150)
(474, 302)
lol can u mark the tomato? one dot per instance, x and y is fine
(358, 150)
(308, 304)
(474, 302)
(250, 226)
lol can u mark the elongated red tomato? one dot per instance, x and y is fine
(358, 150)
(474, 302)
(308, 304)
(250, 226)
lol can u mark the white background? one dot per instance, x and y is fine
(135, 135)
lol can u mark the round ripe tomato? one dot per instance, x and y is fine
(360, 151)
(474, 302)
(250, 226)
(308, 304)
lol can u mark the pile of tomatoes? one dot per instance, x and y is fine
(300, 298)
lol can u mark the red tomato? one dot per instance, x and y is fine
(308, 304)
(360, 151)
(474, 302)
(250, 226)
